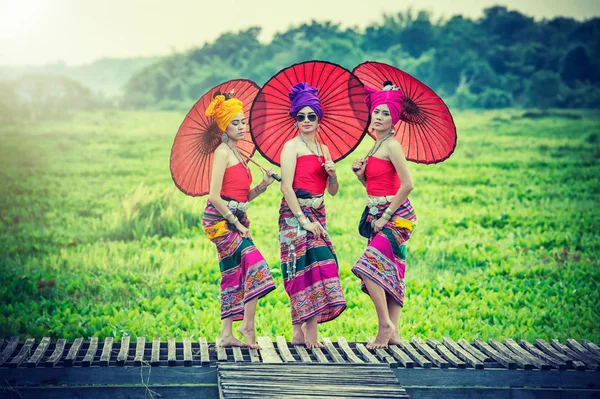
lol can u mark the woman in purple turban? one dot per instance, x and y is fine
(389, 218)
(308, 260)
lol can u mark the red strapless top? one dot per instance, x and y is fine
(310, 175)
(382, 178)
(236, 182)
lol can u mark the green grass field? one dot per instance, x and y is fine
(97, 240)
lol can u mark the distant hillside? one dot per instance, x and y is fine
(106, 76)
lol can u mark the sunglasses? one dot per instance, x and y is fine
(302, 117)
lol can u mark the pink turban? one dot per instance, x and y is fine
(392, 98)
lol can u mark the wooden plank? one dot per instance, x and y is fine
(23, 353)
(72, 355)
(57, 354)
(575, 356)
(254, 358)
(330, 348)
(140, 347)
(535, 361)
(124, 351)
(412, 352)
(429, 353)
(494, 354)
(385, 357)
(10, 348)
(521, 362)
(91, 352)
(284, 350)
(473, 351)
(187, 352)
(462, 354)
(171, 352)
(548, 349)
(304, 356)
(321, 358)
(39, 352)
(445, 352)
(267, 351)
(204, 353)
(583, 353)
(366, 354)
(401, 356)
(592, 347)
(237, 354)
(221, 351)
(106, 351)
(343, 344)
(555, 362)
(155, 354)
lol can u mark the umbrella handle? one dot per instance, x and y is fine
(274, 175)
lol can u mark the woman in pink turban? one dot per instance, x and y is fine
(389, 218)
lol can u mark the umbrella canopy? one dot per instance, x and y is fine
(198, 137)
(342, 98)
(426, 129)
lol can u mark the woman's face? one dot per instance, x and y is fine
(381, 119)
(236, 130)
(303, 119)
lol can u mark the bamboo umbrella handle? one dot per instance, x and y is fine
(275, 175)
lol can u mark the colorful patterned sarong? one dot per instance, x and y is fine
(384, 260)
(244, 272)
(309, 268)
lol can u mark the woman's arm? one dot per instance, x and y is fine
(398, 159)
(220, 161)
(332, 181)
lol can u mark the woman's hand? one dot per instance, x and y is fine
(358, 167)
(379, 224)
(244, 231)
(315, 228)
(330, 168)
(268, 178)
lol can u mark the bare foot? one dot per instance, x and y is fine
(298, 334)
(229, 341)
(311, 338)
(249, 334)
(395, 339)
(384, 334)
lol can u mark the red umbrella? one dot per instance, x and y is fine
(198, 137)
(342, 97)
(426, 129)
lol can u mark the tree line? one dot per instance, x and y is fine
(503, 59)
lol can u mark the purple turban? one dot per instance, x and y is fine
(303, 95)
(392, 98)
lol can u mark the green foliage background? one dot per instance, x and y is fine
(97, 241)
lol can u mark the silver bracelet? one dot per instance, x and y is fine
(260, 189)
(298, 215)
(332, 179)
(228, 215)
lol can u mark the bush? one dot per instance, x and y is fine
(494, 98)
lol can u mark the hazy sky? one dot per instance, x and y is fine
(79, 31)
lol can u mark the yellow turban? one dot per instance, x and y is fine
(223, 111)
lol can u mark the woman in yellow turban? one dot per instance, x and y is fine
(245, 276)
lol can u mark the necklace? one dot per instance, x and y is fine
(378, 144)
(318, 153)
(238, 155)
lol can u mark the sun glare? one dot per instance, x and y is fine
(20, 17)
